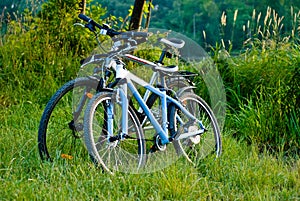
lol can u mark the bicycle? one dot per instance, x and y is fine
(61, 124)
(114, 137)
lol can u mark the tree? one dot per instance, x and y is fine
(83, 6)
(147, 23)
(136, 17)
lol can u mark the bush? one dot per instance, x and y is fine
(263, 94)
(43, 51)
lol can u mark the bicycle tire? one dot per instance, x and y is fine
(58, 137)
(125, 155)
(196, 148)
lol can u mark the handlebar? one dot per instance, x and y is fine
(84, 17)
(104, 30)
(92, 24)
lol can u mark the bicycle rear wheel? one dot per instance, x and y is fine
(61, 128)
(114, 153)
(197, 147)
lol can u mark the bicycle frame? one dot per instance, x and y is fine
(127, 80)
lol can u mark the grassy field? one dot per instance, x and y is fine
(242, 173)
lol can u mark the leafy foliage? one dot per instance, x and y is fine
(44, 48)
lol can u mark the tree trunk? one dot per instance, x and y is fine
(136, 18)
(83, 2)
(148, 16)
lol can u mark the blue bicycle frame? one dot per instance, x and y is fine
(162, 131)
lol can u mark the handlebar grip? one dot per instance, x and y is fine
(109, 32)
(89, 20)
(84, 17)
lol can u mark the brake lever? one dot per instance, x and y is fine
(89, 26)
(79, 24)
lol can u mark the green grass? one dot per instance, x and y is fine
(242, 173)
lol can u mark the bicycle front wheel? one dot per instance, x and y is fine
(198, 146)
(61, 126)
(112, 150)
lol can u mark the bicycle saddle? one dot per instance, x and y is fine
(173, 42)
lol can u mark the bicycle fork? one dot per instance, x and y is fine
(120, 98)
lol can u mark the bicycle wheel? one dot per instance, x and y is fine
(114, 154)
(60, 129)
(197, 147)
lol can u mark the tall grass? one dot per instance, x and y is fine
(261, 83)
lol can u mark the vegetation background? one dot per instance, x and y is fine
(255, 45)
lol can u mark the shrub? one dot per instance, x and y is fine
(262, 85)
(43, 50)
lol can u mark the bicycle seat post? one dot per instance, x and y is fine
(162, 56)
(160, 62)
